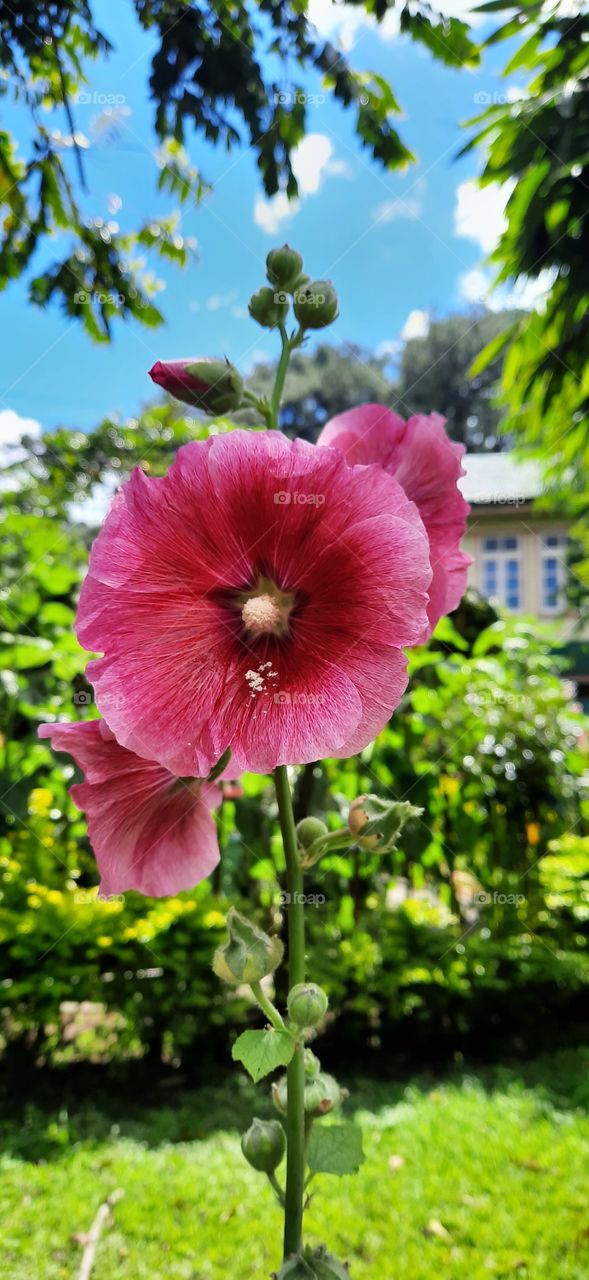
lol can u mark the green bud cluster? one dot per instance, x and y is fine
(315, 301)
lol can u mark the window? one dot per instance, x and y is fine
(554, 572)
(512, 584)
(501, 571)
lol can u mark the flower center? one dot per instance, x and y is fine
(265, 610)
(262, 615)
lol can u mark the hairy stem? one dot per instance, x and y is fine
(295, 1116)
(267, 1007)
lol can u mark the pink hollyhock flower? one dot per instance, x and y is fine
(256, 597)
(427, 464)
(150, 831)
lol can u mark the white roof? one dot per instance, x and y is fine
(500, 477)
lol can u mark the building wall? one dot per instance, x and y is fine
(531, 551)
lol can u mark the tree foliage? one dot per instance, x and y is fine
(220, 72)
(539, 146)
(435, 373)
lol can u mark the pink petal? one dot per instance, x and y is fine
(428, 465)
(149, 831)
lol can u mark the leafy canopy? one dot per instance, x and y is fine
(230, 74)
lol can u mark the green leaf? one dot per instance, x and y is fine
(335, 1148)
(263, 1051)
(22, 652)
(491, 351)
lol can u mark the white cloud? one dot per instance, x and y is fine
(477, 286)
(416, 325)
(255, 357)
(219, 300)
(389, 349)
(410, 206)
(343, 23)
(270, 214)
(92, 509)
(312, 161)
(12, 429)
(479, 214)
(391, 210)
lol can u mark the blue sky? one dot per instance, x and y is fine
(400, 248)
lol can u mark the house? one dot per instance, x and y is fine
(519, 553)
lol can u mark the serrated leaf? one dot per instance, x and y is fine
(335, 1148)
(261, 1052)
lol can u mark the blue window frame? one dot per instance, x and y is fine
(512, 593)
(554, 572)
(490, 578)
(502, 571)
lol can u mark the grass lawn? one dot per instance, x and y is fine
(480, 1175)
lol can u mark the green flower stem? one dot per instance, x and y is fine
(279, 381)
(288, 346)
(295, 1113)
(272, 1014)
(276, 1187)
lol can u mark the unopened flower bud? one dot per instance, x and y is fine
(307, 1004)
(312, 1065)
(296, 1268)
(214, 386)
(357, 819)
(323, 1094)
(249, 954)
(284, 267)
(309, 830)
(299, 284)
(324, 1266)
(316, 305)
(269, 307)
(264, 1144)
(315, 1264)
(279, 1095)
(377, 824)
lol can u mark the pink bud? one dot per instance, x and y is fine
(214, 386)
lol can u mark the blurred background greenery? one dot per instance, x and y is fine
(468, 946)
(460, 939)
